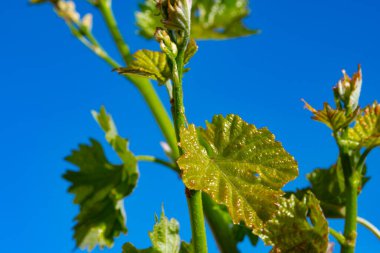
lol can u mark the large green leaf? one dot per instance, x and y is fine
(99, 189)
(153, 65)
(238, 165)
(289, 231)
(366, 132)
(210, 19)
(164, 237)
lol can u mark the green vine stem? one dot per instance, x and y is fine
(153, 159)
(109, 18)
(352, 181)
(194, 198)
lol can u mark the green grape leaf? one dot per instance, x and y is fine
(329, 187)
(191, 50)
(290, 231)
(333, 118)
(238, 165)
(129, 248)
(99, 189)
(118, 143)
(186, 248)
(366, 132)
(223, 227)
(210, 19)
(164, 237)
(239, 232)
(150, 64)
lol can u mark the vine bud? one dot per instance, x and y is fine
(347, 91)
(166, 44)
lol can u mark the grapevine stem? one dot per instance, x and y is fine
(194, 198)
(157, 160)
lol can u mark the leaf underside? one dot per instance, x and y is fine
(328, 185)
(238, 165)
(99, 189)
(220, 19)
(290, 231)
(150, 64)
(366, 132)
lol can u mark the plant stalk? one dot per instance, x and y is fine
(194, 198)
(352, 179)
(109, 18)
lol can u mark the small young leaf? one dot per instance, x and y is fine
(153, 65)
(99, 189)
(210, 19)
(238, 165)
(129, 248)
(191, 50)
(333, 118)
(164, 237)
(366, 132)
(176, 14)
(290, 231)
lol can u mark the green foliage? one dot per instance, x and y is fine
(366, 132)
(333, 118)
(238, 165)
(164, 237)
(153, 65)
(99, 189)
(210, 19)
(191, 50)
(329, 187)
(289, 230)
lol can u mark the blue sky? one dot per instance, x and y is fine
(50, 82)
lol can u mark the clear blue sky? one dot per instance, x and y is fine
(50, 82)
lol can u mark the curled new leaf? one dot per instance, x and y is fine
(153, 65)
(164, 237)
(333, 118)
(99, 189)
(290, 231)
(366, 132)
(210, 19)
(176, 14)
(191, 50)
(238, 165)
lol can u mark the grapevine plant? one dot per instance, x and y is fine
(233, 172)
